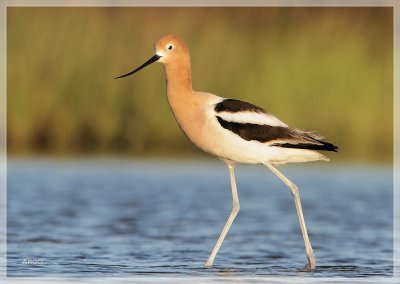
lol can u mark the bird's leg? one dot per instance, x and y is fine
(296, 196)
(232, 215)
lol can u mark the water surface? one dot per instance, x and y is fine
(93, 218)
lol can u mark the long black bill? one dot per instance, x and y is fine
(148, 62)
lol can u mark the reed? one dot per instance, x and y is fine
(334, 64)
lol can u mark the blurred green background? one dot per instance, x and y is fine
(324, 69)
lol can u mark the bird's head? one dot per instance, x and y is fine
(169, 49)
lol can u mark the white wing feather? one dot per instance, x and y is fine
(261, 118)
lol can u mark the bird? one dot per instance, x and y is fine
(234, 131)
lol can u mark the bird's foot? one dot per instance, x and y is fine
(310, 266)
(208, 264)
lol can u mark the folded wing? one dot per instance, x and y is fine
(251, 122)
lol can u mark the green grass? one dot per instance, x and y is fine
(325, 69)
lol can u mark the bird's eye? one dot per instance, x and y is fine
(170, 47)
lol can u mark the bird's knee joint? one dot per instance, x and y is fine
(236, 207)
(294, 190)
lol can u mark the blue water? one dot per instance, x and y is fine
(101, 218)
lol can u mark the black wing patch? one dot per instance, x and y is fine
(324, 146)
(230, 105)
(249, 131)
(266, 133)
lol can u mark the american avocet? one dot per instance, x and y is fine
(234, 131)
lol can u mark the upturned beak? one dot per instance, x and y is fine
(148, 62)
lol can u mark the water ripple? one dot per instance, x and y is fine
(120, 219)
